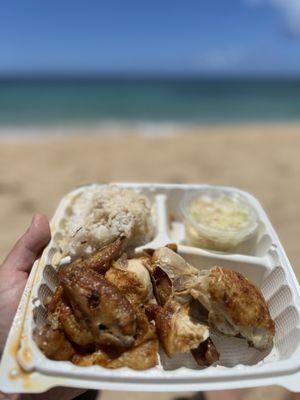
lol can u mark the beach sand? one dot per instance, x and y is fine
(263, 159)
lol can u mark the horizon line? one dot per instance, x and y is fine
(131, 76)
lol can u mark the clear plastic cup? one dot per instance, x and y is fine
(218, 219)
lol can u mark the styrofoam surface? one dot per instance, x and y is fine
(25, 369)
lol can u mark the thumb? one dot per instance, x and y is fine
(30, 246)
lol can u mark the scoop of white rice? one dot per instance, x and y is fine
(100, 215)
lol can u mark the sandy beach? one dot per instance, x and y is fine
(263, 159)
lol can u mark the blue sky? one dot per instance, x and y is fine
(158, 36)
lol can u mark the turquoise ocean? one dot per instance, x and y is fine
(60, 101)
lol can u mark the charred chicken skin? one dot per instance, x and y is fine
(93, 319)
(108, 314)
(101, 260)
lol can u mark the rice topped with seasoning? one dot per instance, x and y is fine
(101, 214)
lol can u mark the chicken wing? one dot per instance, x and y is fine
(108, 314)
(50, 337)
(76, 329)
(101, 260)
(60, 317)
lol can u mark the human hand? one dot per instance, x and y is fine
(13, 277)
(15, 270)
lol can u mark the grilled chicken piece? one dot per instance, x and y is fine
(178, 332)
(92, 313)
(181, 323)
(145, 330)
(102, 259)
(54, 343)
(141, 357)
(162, 285)
(61, 317)
(236, 306)
(132, 278)
(76, 329)
(53, 309)
(170, 274)
(50, 337)
(108, 314)
(206, 353)
(173, 265)
(107, 318)
(98, 357)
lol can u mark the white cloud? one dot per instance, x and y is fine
(290, 10)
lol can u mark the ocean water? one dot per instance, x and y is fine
(83, 101)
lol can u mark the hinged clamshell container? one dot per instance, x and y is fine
(262, 259)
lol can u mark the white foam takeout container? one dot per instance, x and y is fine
(24, 368)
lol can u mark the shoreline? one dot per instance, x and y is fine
(144, 129)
